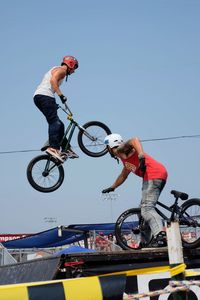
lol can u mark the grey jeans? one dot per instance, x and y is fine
(151, 190)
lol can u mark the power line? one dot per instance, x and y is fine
(17, 151)
(145, 140)
(172, 138)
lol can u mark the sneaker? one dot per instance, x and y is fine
(160, 240)
(55, 153)
(70, 154)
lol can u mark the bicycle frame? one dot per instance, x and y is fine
(175, 209)
(68, 135)
(70, 129)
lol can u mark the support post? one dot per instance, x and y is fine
(175, 253)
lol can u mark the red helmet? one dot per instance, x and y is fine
(70, 61)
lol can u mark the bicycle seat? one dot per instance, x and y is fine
(181, 195)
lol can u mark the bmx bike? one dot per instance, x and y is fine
(130, 224)
(45, 173)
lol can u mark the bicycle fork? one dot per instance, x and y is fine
(48, 169)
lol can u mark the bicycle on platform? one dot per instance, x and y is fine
(45, 173)
(133, 233)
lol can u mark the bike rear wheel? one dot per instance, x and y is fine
(190, 224)
(94, 146)
(45, 174)
(131, 230)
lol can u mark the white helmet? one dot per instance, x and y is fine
(113, 140)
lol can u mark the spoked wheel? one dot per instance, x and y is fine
(190, 224)
(130, 230)
(45, 173)
(91, 141)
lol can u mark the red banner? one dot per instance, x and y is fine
(10, 237)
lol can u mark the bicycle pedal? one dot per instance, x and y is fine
(143, 245)
(64, 156)
(69, 154)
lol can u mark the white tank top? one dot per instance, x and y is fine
(45, 87)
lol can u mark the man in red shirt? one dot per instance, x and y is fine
(154, 177)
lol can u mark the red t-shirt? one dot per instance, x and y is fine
(154, 169)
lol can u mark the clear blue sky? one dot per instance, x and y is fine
(139, 73)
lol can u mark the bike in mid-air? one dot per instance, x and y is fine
(45, 173)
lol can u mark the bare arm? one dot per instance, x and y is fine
(137, 146)
(57, 76)
(121, 178)
(130, 145)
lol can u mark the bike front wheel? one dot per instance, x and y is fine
(130, 230)
(45, 174)
(91, 141)
(190, 224)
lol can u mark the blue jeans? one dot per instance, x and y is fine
(47, 105)
(151, 190)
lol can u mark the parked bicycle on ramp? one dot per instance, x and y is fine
(131, 225)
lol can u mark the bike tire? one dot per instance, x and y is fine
(190, 234)
(97, 147)
(37, 178)
(128, 224)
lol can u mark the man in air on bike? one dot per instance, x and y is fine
(154, 177)
(44, 98)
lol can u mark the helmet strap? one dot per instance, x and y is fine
(115, 157)
(67, 73)
(112, 155)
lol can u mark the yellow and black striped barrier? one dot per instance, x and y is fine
(104, 287)
(90, 288)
